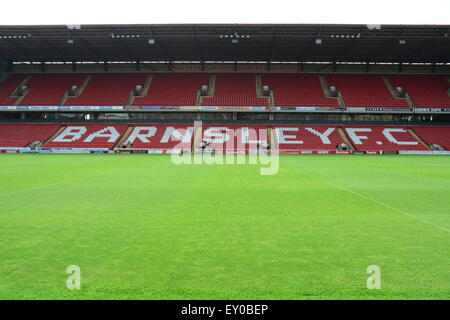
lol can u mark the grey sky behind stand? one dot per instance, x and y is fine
(47, 12)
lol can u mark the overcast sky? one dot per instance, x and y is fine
(31, 12)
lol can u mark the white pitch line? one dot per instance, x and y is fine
(28, 165)
(379, 202)
(43, 186)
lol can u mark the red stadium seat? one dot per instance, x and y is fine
(294, 137)
(224, 136)
(48, 89)
(434, 135)
(161, 136)
(7, 88)
(426, 91)
(231, 89)
(364, 91)
(232, 137)
(235, 90)
(168, 89)
(376, 138)
(298, 90)
(20, 134)
(88, 136)
(108, 89)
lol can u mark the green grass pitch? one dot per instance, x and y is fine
(140, 227)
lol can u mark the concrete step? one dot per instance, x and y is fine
(19, 99)
(57, 132)
(392, 91)
(145, 87)
(199, 98)
(346, 139)
(259, 90)
(271, 99)
(198, 134)
(147, 84)
(418, 138)
(80, 90)
(326, 92)
(271, 136)
(123, 137)
(211, 85)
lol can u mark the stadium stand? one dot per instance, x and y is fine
(235, 90)
(160, 136)
(180, 89)
(218, 136)
(434, 135)
(364, 91)
(109, 89)
(298, 90)
(20, 135)
(292, 137)
(88, 136)
(49, 89)
(8, 87)
(167, 89)
(426, 91)
(232, 137)
(381, 138)
(355, 98)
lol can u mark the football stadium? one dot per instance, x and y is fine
(224, 161)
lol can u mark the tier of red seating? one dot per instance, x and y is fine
(435, 135)
(235, 90)
(426, 91)
(168, 89)
(294, 137)
(364, 91)
(298, 90)
(224, 136)
(234, 137)
(88, 136)
(20, 135)
(160, 136)
(108, 89)
(231, 89)
(376, 138)
(49, 89)
(8, 87)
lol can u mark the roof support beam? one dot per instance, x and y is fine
(197, 48)
(162, 52)
(301, 66)
(6, 65)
